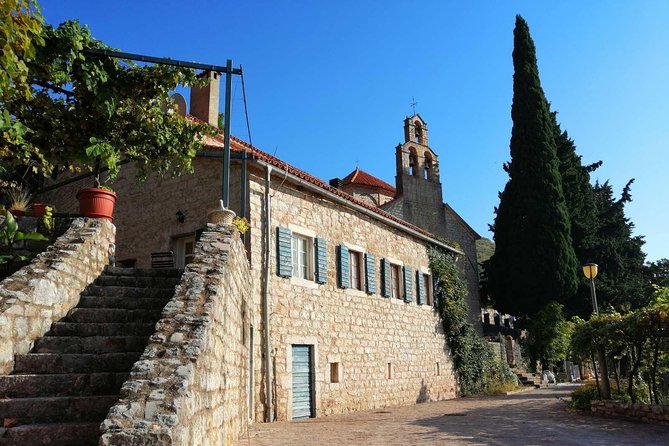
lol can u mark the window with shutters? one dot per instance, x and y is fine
(301, 256)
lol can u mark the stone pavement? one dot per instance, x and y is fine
(532, 418)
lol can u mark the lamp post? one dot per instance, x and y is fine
(590, 272)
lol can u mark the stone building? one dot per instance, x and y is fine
(417, 199)
(341, 315)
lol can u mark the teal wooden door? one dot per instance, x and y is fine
(302, 382)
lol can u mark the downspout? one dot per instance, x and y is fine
(267, 362)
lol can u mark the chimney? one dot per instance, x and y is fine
(204, 100)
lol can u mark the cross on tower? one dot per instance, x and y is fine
(413, 104)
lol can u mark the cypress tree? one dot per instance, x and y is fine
(534, 261)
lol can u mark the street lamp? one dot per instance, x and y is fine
(590, 271)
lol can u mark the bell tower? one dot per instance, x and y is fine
(417, 176)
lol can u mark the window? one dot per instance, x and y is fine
(334, 372)
(389, 371)
(302, 257)
(413, 162)
(427, 284)
(396, 281)
(355, 262)
(427, 166)
(185, 247)
(438, 371)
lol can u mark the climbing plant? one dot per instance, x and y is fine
(477, 368)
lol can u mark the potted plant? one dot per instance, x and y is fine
(18, 200)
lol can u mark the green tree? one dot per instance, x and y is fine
(621, 278)
(580, 200)
(657, 273)
(83, 112)
(549, 335)
(534, 261)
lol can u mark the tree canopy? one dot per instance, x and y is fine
(534, 261)
(65, 109)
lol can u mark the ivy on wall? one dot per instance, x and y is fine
(477, 368)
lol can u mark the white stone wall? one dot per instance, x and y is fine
(46, 289)
(362, 332)
(190, 385)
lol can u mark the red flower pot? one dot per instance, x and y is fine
(96, 203)
(38, 209)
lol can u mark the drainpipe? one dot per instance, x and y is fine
(267, 363)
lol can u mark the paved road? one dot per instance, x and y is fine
(533, 418)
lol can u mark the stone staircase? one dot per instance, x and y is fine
(60, 392)
(527, 379)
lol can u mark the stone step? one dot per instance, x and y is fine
(37, 363)
(76, 384)
(157, 272)
(53, 409)
(125, 291)
(130, 303)
(97, 315)
(101, 329)
(90, 344)
(142, 282)
(60, 434)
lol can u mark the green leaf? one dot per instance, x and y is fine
(34, 236)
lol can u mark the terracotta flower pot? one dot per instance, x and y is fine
(96, 203)
(38, 209)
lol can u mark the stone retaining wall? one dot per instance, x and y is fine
(190, 385)
(648, 413)
(46, 289)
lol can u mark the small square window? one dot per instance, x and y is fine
(334, 372)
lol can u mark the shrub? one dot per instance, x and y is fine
(581, 397)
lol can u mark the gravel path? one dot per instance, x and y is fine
(531, 418)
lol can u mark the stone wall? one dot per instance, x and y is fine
(365, 334)
(46, 289)
(190, 385)
(648, 413)
(145, 213)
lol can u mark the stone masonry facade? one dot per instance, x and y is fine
(190, 385)
(46, 289)
(389, 352)
(647, 413)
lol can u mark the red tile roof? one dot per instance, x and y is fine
(239, 146)
(361, 177)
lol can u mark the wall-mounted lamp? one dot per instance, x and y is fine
(181, 216)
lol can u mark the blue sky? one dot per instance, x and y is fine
(330, 82)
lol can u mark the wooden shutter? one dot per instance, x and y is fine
(420, 281)
(385, 273)
(344, 270)
(321, 269)
(370, 274)
(284, 253)
(408, 284)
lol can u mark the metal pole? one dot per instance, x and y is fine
(226, 140)
(601, 353)
(593, 294)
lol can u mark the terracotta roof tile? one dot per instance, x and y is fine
(359, 176)
(239, 146)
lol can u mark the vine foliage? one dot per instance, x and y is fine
(477, 368)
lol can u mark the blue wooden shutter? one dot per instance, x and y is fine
(321, 270)
(284, 252)
(370, 274)
(420, 281)
(408, 284)
(385, 272)
(344, 270)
